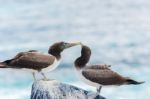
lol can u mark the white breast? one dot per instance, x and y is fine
(52, 67)
(79, 72)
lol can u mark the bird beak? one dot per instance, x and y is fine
(68, 45)
(82, 44)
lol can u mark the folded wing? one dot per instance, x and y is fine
(32, 60)
(103, 75)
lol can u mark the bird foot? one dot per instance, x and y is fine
(46, 79)
(97, 97)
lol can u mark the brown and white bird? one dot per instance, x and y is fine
(37, 61)
(99, 75)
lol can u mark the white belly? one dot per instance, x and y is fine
(51, 67)
(79, 72)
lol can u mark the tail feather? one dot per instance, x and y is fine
(131, 81)
(3, 65)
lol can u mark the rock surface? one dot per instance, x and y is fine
(55, 90)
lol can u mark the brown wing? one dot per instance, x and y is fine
(101, 66)
(103, 76)
(32, 60)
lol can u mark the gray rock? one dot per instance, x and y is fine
(55, 90)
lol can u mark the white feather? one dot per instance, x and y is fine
(85, 80)
(51, 67)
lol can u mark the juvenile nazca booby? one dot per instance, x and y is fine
(36, 61)
(98, 75)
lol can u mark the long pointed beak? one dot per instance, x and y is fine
(73, 44)
(82, 44)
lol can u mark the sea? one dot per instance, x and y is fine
(117, 31)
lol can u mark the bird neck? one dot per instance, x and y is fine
(55, 53)
(81, 61)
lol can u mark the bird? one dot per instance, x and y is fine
(99, 75)
(37, 61)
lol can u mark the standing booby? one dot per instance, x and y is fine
(36, 61)
(99, 75)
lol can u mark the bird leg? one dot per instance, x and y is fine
(45, 78)
(33, 73)
(99, 89)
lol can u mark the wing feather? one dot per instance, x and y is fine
(101, 66)
(32, 60)
(102, 75)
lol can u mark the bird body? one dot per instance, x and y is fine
(36, 61)
(91, 74)
(99, 75)
(30, 60)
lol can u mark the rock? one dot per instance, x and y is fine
(53, 89)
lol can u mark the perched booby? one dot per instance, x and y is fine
(36, 61)
(99, 75)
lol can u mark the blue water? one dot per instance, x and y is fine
(118, 32)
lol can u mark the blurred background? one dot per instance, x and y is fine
(118, 32)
